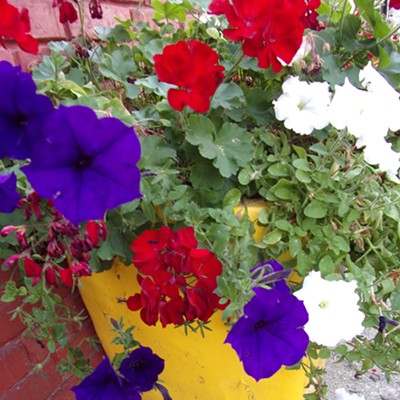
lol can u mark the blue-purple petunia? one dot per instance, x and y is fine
(22, 112)
(270, 333)
(85, 164)
(9, 196)
(105, 384)
(142, 368)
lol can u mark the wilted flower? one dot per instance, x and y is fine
(332, 307)
(87, 165)
(303, 106)
(270, 333)
(67, 11)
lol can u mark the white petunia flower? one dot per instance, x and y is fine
(394, 16)
(341, 394)
(303, 106)
(369, 115)
(332, 308)
(385, 97)
(380, 152)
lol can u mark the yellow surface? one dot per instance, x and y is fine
(196, 368)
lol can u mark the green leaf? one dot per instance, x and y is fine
(152, 83)
(228, 95)
(326, 265)
(233, 149)
(351, 25)
(200, 130)
(301, 164)
(278, 169)
(316, 209)
(232, 198)
(295, 246)
(51, 346)
(258, 104)
(273, 237)
(118, 65)
(51, 67)
(169, 11)
(155, 152)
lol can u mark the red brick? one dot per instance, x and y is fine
(9, 329)
(29, 61)
(123, 11)
(63, 392)
(43, 17)
(13, 364)
(6, 55)
(35, 386)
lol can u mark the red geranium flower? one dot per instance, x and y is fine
(394, 4)
(179, 278)
(67, 11)
(271, 30)
(15, 24)
(193, 68)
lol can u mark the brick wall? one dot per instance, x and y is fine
(45, 25)
(17, 353)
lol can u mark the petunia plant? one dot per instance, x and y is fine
(152, 142)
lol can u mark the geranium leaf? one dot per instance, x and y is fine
(118, 65)
(233, 149)
(228, 95)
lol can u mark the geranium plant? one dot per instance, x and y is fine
(150, 143)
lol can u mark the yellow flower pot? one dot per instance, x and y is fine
(195, 367)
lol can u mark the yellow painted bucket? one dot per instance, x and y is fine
(196, 368)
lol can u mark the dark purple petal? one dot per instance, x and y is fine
(9, 196)
(104, 384)
(142, 368)
(87, 165)
(22, 112)
(270, 333)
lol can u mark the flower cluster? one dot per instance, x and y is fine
(288, 103)
(193, 68)
(269, 30)
(63, 241)
(176, 277)
(86, 165)
(138, 373)
(367, 114)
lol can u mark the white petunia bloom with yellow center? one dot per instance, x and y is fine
(332, 307)
(303, 106)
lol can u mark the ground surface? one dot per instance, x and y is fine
(372, 386)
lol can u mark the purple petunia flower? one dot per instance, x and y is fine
(270, 333)
(22, 112)
(105, 384)
(142, 368)
(9, 196)
(85, 164)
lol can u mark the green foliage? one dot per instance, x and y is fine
(325, 206)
